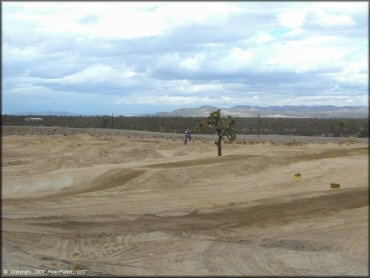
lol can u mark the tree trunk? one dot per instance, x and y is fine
(219, 145)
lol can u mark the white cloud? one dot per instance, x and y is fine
(326, 15)
(120, 20)
(295, 31)
(342, 7)
(310, 53)
(186, 87)
(165, 99)
(185, 12)
(264, 38)
(99, 74)
(292, 19)
(234, 60)
(193, 63)
(186, 53)
(197, 88)
(327, 19)
(24, 54)
(354, 72)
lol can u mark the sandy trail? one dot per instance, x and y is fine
(143, 205)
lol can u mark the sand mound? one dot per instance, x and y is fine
(139, 154)
(62, 183)
(131, 204)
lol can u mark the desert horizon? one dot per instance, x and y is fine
(184, 138)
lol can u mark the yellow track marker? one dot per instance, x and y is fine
(335, 185)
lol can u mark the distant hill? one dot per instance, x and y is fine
(202, 111)
(326, 111)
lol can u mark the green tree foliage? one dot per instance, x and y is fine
(219, 125)
(106, 122)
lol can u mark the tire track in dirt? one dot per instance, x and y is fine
(238, 157)
(116, 177)
(121, 250)
(107, 180)
(301, 232)
(265, 214)
(199, 162)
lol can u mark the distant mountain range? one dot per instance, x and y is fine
(65, 113)
(326, 111)
(48, 113)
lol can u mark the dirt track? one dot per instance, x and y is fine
(140, 204)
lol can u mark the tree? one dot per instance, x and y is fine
(221, 126)
(341, 125)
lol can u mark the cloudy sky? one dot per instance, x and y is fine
(145, 57)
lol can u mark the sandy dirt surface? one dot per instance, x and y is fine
(140, 204)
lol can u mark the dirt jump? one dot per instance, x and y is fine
(129, 204)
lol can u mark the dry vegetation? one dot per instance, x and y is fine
(145, 204)
(331, 127)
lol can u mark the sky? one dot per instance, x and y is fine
(146, 57)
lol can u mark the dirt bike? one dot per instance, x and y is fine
(187, 139)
